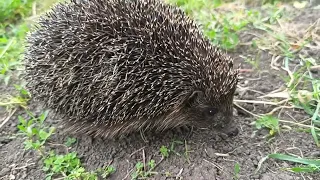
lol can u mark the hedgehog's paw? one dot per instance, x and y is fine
(185, 130)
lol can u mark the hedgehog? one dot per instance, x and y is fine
(115, 67)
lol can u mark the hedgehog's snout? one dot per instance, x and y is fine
(227, 124)
(231, 130)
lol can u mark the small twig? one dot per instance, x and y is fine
(280, 107)
(222, 154)
(110, 162)
(303, 121)
(290, 75)
(136, 151)
(257, 102)
(144, 159)
(245, 70)
(34, 9)
(280, 120)
(128, 173)
(298, 124)
(215, 165)
(294, 119)
(151, 169)
(274, 62)
(313, 25)
(230, 152)
(186, 152)
(290, 148)
(66, 147)
(60, 178)
(179, 174)
(272, 92)
(21, 167)
(8, 118)
(248, 89)
(317, 67)
(245, 110)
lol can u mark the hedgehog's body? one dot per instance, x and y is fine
(112, 67)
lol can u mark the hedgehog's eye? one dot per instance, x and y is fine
(212, 111)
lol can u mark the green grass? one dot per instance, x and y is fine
(309, 165)
(68, 165)
(305, 165)
(12, 34)
(220, 27)
(302, 87)
(13, 11)
(11, 48)
(223, 26)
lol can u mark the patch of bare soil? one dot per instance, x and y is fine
(204, 155)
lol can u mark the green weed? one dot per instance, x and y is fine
(70, 167)
(222, 27)
(147, 170)
(35, 131)
(269, 122)
(12, 101)
(142, 171)
(236, 171)
(164, 151)
(107, 171)
(9, 101)
(253, 61)
(173, 146)
(70, 141)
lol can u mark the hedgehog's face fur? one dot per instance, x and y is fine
(206, 112)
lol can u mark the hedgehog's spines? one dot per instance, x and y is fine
(115, 66)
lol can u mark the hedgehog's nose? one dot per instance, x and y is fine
(230, 131)
(233, 132)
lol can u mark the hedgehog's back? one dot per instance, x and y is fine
(114, 64)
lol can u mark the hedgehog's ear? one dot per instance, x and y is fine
(193, 98)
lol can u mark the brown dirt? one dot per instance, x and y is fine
(203, 160)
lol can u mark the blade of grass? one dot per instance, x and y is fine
(295, 159)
